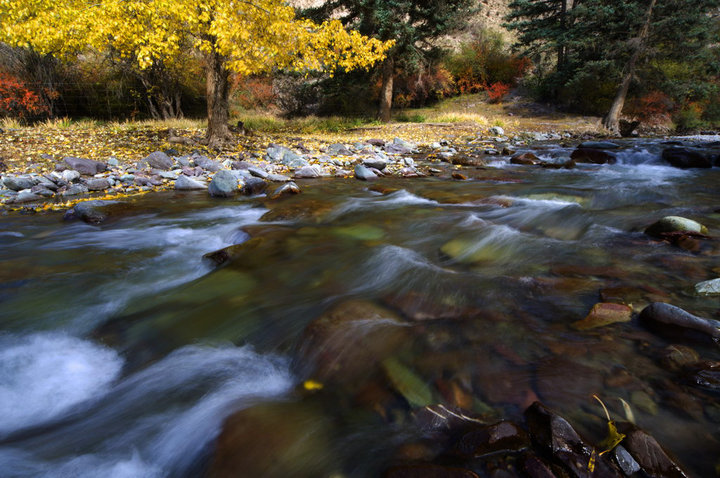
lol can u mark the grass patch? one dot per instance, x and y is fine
(405, 117)
(10, 123)
(268, 123)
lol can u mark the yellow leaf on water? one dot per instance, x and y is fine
(312, 385)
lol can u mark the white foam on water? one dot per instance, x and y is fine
(394, 200)
(43, 376)
(156, 423)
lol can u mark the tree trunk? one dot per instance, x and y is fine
(386, 92)
(612, 119)
(218, 106)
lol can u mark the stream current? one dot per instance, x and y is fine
(122, 351)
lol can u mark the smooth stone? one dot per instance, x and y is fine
(599, 145)
(286, 156)
(172, 175)
(42, 191)
(593, 155)
(75, 190)
(258, 172)
(254, 186)
(708, 376)
(18, 183)
(496, 131)
(554, 435)
(27, 196)
(286, 189)
(363, 173)
(156, 160)
(404, 144)
(147, 181)
(114, 162)
(625, 461)
(185, 183)
(207, 164)
(670, 224)
(660, 313)
(362, 232)
(676, 357)
(223, 184)
(308, 172)
(278, 178)
(338, 149)
(97, 184)
(602, 314)
(708, 287)
(376, 162)
(84, 166)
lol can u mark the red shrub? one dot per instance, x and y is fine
(254, 92)
(652, 108)
(18, 100)
(497, 92)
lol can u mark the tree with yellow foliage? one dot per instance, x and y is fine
(242, 36)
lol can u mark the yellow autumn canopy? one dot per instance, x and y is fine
(252, 35)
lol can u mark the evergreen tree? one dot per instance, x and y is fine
(412, 24)
(610, 42)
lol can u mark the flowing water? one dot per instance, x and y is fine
(123, 351)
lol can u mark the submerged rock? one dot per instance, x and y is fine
(598, 145)
(672, 224)
(500, 437)
(254, 186)
(604, 314)
(428, 470)
(87, 211)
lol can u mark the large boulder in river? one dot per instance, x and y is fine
(675, 224)
(224, 184)
(593, 155)
(685, 158)
(527, 158)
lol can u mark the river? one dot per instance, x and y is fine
(123, 351)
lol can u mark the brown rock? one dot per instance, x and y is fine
(428, 470)
(500, 437)
(603, 314)
(591, 155)
(525, 158)
(654, 461)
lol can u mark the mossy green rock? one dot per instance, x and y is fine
(670, 224)
(361, 232)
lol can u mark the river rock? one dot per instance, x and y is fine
(685, 158)
(18, 183)
(708, 287)
(88, 212)
(275, 440)
(603, 314)
(363, 173)
(185, 183)
(287, 189)
(75, 190)
(254, 186)
(497, 131)
(70, 175)
(338, 149)
(554, 435)
(648, 453)
(674, 319)
(84, 166)
(41, 190)
(376, 162)
(278, 178)
(500, 437)
(308, 172)
(599, 145)
(207, 164)
(223, 184)
(671, 224)
(99, 184)
(257, 172)
(288, 157)
(27, 196)
(528, 159)
(592, 155)
(349, 341)
(149, 181)
(156, 160)
(707, 376)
